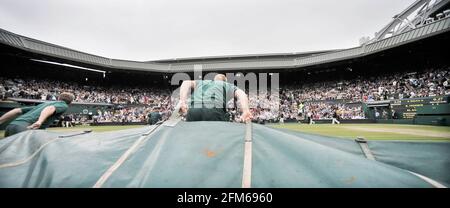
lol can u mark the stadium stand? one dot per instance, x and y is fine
(315, 96)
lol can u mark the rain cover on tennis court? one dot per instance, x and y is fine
(212, 154)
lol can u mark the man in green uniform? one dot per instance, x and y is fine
(36, 117)
(208, 101)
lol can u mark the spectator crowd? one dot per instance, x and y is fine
(385, 87)
(318, 100)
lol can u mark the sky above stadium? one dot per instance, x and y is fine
(145, 30)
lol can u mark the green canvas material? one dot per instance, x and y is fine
(196, 154)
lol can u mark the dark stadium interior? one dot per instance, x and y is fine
(416, 56)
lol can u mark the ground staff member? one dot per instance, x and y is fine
(209, 99)
(154, 116)
(36, 117)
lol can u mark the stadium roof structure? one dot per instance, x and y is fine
(417, 14)
(399, 32)
(241, 57)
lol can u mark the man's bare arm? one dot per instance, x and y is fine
(10, 115)
(243, 101)
(185, 90)
(47, 112)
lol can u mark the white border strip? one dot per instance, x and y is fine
(366, 150)
(20, 162)
(247, 170)
(370, 156)
(428, 180)
(122, 159)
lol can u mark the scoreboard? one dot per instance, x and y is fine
(407, 108)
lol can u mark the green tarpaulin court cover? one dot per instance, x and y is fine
(212, 154)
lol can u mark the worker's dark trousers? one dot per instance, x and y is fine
(12, 129)
(152, 121)
(206, 114)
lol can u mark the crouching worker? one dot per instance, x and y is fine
(209, 99)
(36, 117)
(154, 116)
